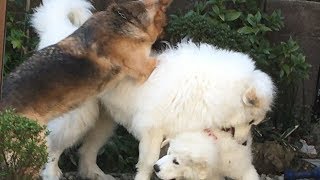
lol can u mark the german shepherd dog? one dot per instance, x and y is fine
(111, 45)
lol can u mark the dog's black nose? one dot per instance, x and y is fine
(156, 168)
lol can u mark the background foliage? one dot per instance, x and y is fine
(20, 40)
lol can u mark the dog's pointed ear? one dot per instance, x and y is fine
(165, 142)
(162, 3)
(250, 97)
(165, 3)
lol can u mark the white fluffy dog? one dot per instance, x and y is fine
(193, 88)
(206, 155)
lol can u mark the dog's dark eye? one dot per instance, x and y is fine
(244, 144)
(251, 122)
(175, 161)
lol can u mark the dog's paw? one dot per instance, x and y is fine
(107, 177)
(51, 173)
(251, 174)
(142, 176)
(93, 172)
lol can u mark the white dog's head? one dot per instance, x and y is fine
(197, 155)
(190, 156)
(257, 101)
(251, 109)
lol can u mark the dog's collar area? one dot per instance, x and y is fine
(210, 133)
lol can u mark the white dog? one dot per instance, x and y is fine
(206, 155)
(193, 87)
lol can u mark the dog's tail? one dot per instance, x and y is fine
(54, 20)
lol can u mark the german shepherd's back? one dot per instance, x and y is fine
(111, 44)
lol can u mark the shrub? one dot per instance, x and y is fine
(22, 147)
(241, 26)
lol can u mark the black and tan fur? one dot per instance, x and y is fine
(110, 45)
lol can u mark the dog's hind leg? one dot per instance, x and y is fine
(93, 141)
(149, 151)
(66, 131)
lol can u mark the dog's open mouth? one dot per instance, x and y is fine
(230, 130)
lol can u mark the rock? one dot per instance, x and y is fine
(315, 162)
(271, 177)
(308, 149)
(315, 133)
(271, 158)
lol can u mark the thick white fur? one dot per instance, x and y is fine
(203, 157)
(54, 20)
(193, 87)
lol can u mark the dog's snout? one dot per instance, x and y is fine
(156, 168)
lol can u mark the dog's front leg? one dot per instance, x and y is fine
(149, 150)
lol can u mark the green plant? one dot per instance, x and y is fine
(20, 40)
(22, 147)
(121, 152)
(241, 26)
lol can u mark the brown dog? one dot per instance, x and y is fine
(110, 45)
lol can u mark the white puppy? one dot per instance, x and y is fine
(206, 155)
(193, 88)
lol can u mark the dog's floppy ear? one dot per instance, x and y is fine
(165, 142)
(250, 97)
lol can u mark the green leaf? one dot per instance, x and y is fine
(256, 30)
(286, 68)
(250, 20)
(16, 43)
(215, 9)
(232, 15)
(264, 28)
(281, 74)
(190, 13)
(222, 17)
(258, 16)
(266, 51)
(245, 30)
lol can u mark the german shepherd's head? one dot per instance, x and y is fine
(143, 20)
